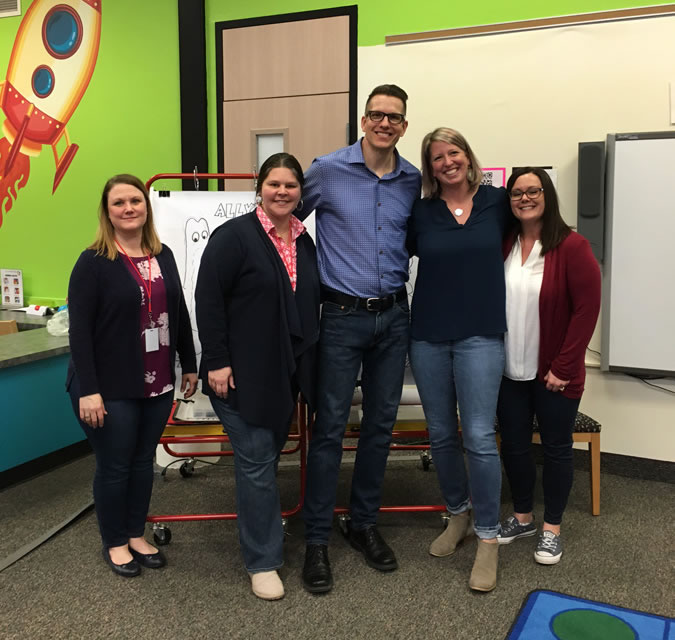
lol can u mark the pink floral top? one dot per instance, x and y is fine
(156, 363)
(287, 252)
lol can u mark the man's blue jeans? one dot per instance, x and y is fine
(256, 458)
(351, 340)
(463, 374)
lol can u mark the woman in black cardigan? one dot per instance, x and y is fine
(127, 320)
(257, 301)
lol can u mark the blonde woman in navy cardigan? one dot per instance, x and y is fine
(128, 319)
(552, 304)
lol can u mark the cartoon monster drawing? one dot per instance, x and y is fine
(196, 236)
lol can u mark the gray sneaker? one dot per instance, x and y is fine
(512, 529)
(549, 548)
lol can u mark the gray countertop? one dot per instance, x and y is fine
(29, 345)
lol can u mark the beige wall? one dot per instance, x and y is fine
(530, 98)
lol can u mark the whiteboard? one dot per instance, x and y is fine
(638, 332)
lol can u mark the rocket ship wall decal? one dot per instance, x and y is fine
(49, 69)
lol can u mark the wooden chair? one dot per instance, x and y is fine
(585, 430)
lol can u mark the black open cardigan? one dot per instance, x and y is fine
(104, 306)
(250, 319)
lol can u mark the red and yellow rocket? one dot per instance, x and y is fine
(49, 69)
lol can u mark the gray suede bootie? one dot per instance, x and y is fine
(459, 527)
(484, 572)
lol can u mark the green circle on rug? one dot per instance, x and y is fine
(586, 624)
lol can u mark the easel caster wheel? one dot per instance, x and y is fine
(426, 460)
(343, 523)
(445, 519)
(187, 468)
(161, 535)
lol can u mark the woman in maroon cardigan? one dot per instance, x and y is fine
(552, 304)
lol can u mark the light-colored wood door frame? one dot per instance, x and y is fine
(351, 12)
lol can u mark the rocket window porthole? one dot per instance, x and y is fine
(62, 31)
(42, 81)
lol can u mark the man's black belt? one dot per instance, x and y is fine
(369, 304)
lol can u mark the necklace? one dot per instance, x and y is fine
(458, 212)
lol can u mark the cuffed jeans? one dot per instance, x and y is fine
(256, 459)
(466, 374)
(353, 339)
(519, 402)
(124, 448)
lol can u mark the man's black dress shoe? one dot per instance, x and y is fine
(149, 560)
(316, 574)
(127, 570)
(376, 551)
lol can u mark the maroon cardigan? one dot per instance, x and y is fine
(569, 303)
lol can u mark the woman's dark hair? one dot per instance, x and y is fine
(554, 229)
(280, 161)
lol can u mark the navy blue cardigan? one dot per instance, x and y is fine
(250, 319)
(104, 303)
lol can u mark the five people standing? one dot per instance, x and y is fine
(260, 284)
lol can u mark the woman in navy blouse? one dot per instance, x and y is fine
(457, 348)
(128, 319)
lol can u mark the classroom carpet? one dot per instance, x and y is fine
(550, 615)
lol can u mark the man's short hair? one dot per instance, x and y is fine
(389, 90)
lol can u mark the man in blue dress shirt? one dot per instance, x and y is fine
(363, 195)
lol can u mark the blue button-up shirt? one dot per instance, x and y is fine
(361, 221)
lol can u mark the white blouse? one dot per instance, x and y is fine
(523, 283)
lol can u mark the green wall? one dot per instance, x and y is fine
(127, 122)
(129, 118)
(377, 19)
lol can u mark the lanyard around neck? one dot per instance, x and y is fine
(147, 287)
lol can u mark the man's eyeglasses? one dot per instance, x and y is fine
(532, 193)
(378, 116)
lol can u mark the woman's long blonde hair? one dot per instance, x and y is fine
(104, 243)
(430, 186)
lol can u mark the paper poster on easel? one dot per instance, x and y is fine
(185, 220)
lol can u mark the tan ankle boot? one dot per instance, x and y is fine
(484, 572)
(459, 527)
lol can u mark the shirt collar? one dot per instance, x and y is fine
(355, 156)
(297, 228)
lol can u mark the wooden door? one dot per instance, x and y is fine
(290, 79)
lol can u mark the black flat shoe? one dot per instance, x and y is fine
(316, 574)
(149, 560)
(127, 570)
(376, 551)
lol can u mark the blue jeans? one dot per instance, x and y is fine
(519, 401)
(352, 339)
(124, 448)
(256, 458)
(463, 374)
